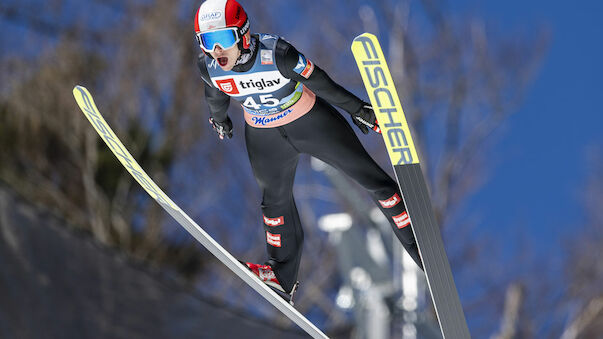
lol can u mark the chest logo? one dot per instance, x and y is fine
(260, 84)
(266, 57)
(228, 86)
(250, 83)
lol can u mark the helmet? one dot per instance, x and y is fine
(223, 23)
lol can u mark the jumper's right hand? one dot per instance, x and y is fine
(224, 128)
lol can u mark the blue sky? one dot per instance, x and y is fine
(534, 192)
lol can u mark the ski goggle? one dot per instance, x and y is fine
(225, 38)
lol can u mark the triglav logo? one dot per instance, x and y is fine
(210, 16)
(248, 84)
(228, 86)
(260, 84)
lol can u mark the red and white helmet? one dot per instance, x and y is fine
(219, 14)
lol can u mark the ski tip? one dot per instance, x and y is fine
(79, 89)
(365, 35)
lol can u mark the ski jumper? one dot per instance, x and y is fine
(287, 102)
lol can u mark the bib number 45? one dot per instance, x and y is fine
(266, 100)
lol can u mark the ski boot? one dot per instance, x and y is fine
(266, 274)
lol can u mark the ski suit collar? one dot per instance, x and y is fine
(246, 60)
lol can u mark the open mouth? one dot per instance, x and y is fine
(223, 61)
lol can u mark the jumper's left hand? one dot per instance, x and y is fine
(365, 118)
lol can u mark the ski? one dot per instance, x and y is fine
(403, 155)
(86, 103)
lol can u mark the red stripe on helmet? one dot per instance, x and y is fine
(197, 29)
(235, 14)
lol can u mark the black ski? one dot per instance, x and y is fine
(403, 155)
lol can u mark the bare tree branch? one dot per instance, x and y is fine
(585, 318)
(509, 322)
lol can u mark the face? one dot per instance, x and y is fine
(226, 58)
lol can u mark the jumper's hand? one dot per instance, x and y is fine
(224, 128)
(365, 118)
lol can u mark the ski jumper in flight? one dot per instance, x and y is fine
(287, 103)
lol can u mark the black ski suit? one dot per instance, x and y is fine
(323, 133)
